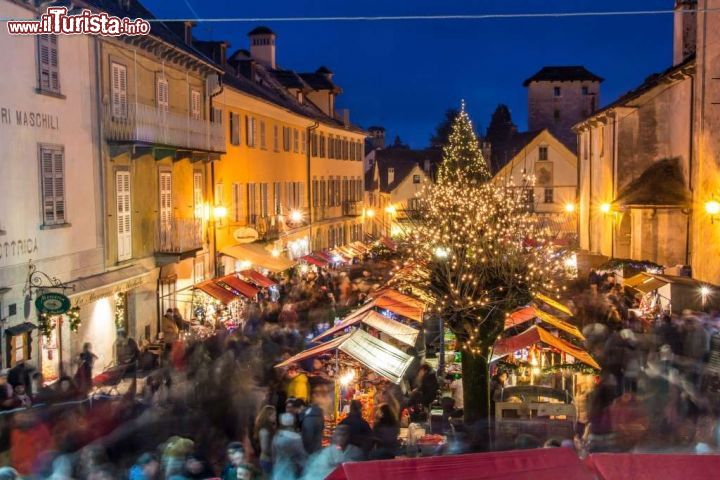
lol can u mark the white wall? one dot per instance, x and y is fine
(69, 251)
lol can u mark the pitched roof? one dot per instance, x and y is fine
(166, 31)
(501, 154)
(319, 81)
(652, 81)
(661, 184)
(289, 79)
(563, 74)
(402, 160)
(261, 30)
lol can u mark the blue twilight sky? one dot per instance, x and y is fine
(405, 74)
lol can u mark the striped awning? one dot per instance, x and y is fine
(535, 335)
(217, 292)
(399, 331)
(240, 286)
(258, 278)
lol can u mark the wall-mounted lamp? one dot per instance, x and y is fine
(569, 207)
(712, 208)
(605, 208)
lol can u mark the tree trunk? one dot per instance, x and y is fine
(476, 385)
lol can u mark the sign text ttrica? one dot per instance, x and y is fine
(22, 118)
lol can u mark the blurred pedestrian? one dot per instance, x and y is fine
(265, 426)
(358, 429)
(288, 453)
(147, 467)
(83, 376)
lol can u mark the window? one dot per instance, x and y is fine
(198, 197)
(118, 91)
(331, 147)
(315, 192)
(199, 270)
(162, 95)
(165, 201)
(252, 202)
(195, 109)
(48, 64)
(322, 145)
(296, 141)
(20, 348)
(543, 152)
(303, 142)
(124, 222)
(390, 175)
(250, 131)
(52, 166)
(277, 198)
(556, 91)
(262, 135)
(216, 115)
(323, 192)
(236, 212)
(584, 90)
(276, 138)
(264, 205)
(286, 139)
(331, 192)
(314, 144)
(556, 115)
(416, 178)
(548, 195)
(234, 129)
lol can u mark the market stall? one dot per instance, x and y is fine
(385, 326)
(524, 315)
(658, 293)
(221, 301)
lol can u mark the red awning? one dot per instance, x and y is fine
(639, 466)
(314, 261)
(324, 256)
(258, 278)
(389, 243)
(216, 291)
(534, 335)
(240, 286)
(537, 464)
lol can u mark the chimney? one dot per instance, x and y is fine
(262, 45)
(391, 175)
(684, 30)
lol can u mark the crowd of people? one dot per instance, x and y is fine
(658, 388)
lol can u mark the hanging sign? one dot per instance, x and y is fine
(52, 303)
(245, 235)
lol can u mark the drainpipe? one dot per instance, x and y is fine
(691, 159)
(212, 183)
(308, 152)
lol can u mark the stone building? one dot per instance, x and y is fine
(559, 97)
(635, 158)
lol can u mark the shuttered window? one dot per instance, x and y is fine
(264, 204)
(48, 63)
(277, 198)
(296, 141)
(163, 95)
(165, 201)
(236, 213)
(250, 131)
(195, 109)
(252, 202)
(234, 128)
(118, 90)
(276, 138)
(198, 197)
(124, 218)
(52, 168)
(263, 143)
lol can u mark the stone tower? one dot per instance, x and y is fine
(559, 97)
(684, 30)
(376, 139)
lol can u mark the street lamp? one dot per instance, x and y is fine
(569, 207)
(296, 216)
(605, 208)
(370, 213)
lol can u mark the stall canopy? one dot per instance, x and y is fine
(373, 353)
(240, 286)
(389, 243)
(525, 314)
(536, 334)
(258, 255)
(400, 304)
(537, 464)
(314, 261)
(399, 331)
(553, 303)
(258, 278)
(325, 256)
(216, 291)
(644, 282)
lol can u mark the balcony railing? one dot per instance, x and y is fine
(178, 236)
(352, 208)
(144, 123)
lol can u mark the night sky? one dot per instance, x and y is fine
(404, 74)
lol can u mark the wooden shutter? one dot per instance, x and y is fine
(163, 95)
(195, 104)
(198, 198)
(165, 201)
(124, 220)
(262, 134)
(301, 195)
(236, 202)
(118, 89)
(53, 185)
(48, 62)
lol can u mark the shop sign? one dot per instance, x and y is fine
(245, 235)
(52, 303)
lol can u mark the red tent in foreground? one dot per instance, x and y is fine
(539, 464)
(648, 466)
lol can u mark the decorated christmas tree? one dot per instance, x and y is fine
(462, 157)
(479, 254)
